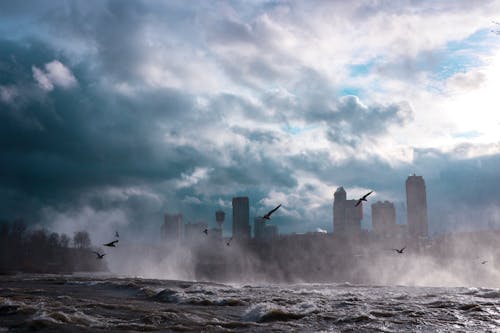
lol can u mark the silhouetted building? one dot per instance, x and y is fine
(241, 218)
(346, 216)
(384, 219)
(171, 229)
(416, 203)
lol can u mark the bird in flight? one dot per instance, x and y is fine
(484, 262)
(111, 244)
(268, 215)
(205, 231)
(99, 256)
(400, 251)
(363, 198)
(117, 235)
(229, 241)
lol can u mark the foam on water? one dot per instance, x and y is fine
(133, 304)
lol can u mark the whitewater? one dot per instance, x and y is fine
(86, 303)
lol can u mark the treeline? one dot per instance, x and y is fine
(38, 251)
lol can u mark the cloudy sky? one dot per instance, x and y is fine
(114, 112)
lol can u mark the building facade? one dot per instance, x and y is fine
(241, 218)
(346, 216)
(416, 203)
(384, 219)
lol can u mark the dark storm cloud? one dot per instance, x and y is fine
(134, 131)
(65, 147)
(68, 140)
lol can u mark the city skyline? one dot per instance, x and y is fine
(112, 113)
(347, 215)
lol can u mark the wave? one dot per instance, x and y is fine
(267, 312)
(203, 298)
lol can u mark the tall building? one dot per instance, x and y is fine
(241, 218)
(416, 203)
(346, 216)
(171, 229)
(384, 219)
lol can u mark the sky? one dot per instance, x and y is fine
(113, 113)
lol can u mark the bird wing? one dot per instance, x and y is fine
(367, 194)
(357, 203)
(403, 248)
(273, 210)
(268, 214)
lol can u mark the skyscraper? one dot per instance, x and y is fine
(384, 219)
(346, 216)
(241, 218)
(416, 203)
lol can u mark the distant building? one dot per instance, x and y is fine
(270, 233)
(384, 219)
(263, 231)
(259, 225)
(193, 232)
(416, 203)
(241, 218)
(346, 216)
(171, 229)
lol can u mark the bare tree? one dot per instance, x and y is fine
(81, 240)
(64, 240)
(54, 240)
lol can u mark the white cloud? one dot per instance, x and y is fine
(55, 74)
(188, 180)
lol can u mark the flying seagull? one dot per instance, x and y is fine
(117, 235)
(363, 198)
(400, 251)
(268, 215)
(205, 231)
(99, 256)
(229, 241)
(111, 244)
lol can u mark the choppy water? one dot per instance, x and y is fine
(94, 304)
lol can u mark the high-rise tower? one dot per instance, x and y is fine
(416, 203)
(384, 219)
(339, 198)
(346, 215)
(241, 218)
